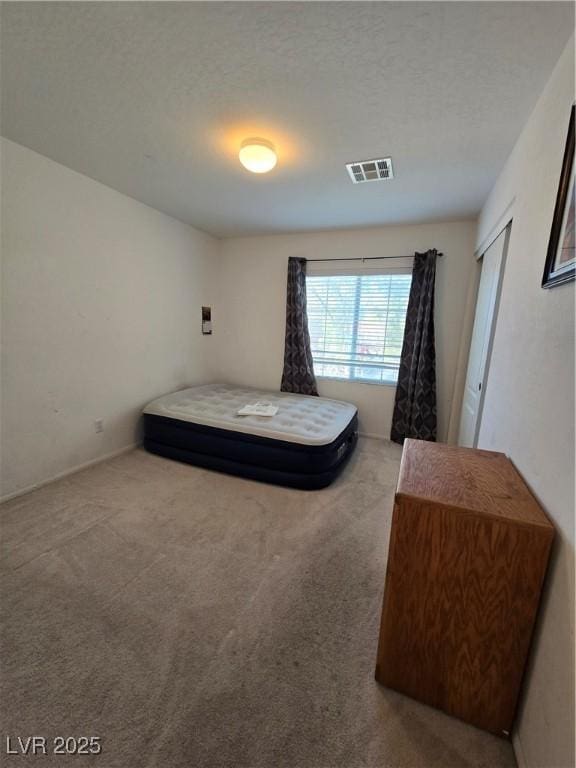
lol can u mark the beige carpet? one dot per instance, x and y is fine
(189, 618)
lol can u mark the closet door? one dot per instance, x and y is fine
(493, 261)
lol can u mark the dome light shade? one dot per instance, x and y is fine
(258, 155)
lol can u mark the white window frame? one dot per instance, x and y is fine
(358, 268)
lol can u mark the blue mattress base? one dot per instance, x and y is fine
(257, 458)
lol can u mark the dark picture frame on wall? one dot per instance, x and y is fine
(560, 264)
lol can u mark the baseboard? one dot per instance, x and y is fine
(518, 751)
(111, 455)
(71, 471)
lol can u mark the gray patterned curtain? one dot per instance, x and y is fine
(298, 374)
(415, 404)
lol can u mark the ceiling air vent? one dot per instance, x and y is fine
(370, 170)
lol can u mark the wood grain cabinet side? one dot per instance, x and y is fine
(468, 552)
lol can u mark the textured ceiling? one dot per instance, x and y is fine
(154, 99)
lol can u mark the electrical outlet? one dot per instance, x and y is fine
(99, 425)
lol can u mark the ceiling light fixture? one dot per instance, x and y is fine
(257, 155)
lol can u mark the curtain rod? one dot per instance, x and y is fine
(370, 258)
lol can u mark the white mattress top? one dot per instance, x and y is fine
(300, 418)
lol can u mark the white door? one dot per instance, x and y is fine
(482, 335)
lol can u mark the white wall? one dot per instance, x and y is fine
(529, 405)
(101, 301)
(249, 312)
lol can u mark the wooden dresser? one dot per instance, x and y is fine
(468, 552)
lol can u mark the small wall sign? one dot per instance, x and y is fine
(207, 321)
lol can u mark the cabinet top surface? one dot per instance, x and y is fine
(478, 481)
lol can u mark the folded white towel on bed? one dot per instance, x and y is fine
(260, 408)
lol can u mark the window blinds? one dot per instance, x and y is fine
(356, 325)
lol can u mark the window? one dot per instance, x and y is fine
(356, 325)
